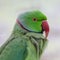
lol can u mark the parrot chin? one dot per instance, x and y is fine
(45, 27)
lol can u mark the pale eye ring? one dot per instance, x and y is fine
(34, 19)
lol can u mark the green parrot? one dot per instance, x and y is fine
(27, 41)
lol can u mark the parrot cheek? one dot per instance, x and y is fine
(45, 27)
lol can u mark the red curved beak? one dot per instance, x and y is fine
(45, 27)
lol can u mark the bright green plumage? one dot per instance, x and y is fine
(27, 20)
(24, 45)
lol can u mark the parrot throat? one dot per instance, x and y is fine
(19, 23)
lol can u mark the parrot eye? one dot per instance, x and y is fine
(34, 19)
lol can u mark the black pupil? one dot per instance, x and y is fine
(34, 19)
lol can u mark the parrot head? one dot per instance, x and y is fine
(34, 21)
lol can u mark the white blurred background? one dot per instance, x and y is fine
(9, 10)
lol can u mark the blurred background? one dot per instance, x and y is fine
(9, 10)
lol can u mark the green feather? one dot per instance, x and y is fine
(26, 20)
(23, 45)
